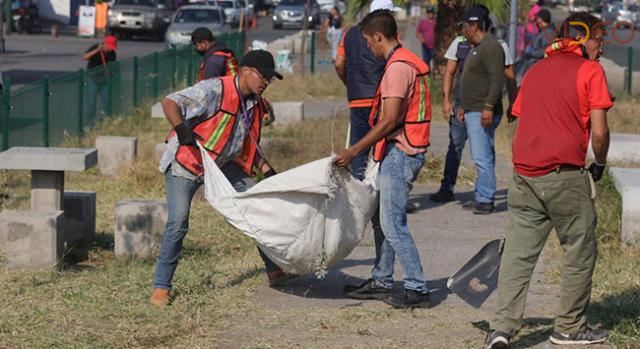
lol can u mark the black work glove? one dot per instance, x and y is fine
(186, 136)
(597, 171)
(270, 173)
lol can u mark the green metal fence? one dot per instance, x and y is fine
(43, 113)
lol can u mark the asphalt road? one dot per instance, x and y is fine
(31, 57)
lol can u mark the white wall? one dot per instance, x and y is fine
(55, 9)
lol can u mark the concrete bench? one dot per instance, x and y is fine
(156, 111)
(115, 153)
(287, 112)
(624, 148)
(31, 239)
(627, 182)
(139, 226)
(47, 167)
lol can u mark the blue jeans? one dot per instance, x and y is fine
(391, 232)
(359, 127)
(481, 141)
(97, 87)
(427, 54)
(179, 194)
(457, 139)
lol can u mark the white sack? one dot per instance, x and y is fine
(305, 219)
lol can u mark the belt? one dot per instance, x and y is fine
(567, 168)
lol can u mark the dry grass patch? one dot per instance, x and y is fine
(311, 87)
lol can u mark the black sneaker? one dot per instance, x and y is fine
(497, 340)
(484, 208)
(409, 299)
(442, 196)
(586, 336)
(367, 290)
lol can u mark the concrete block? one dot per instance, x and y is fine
(159, 150)
(624, 148)
(139, 226)
(287, 112)
(31, 239)
(48, 159)
(46, 190)
(156, 111)
(79, 223)
(115, 153)
(627, 182)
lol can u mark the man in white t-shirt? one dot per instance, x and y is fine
(456, 55)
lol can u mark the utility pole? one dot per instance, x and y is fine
(2, 10)
(513, 23)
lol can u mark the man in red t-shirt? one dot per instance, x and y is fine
(562, 100)
(426, 33)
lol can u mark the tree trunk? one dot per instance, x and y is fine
(449, 14)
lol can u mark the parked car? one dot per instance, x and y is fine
(150, 17)
(190, 17)
(233, 10)
(327, 5)
(620, 14)
(291, 13)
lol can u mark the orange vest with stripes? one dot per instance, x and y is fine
(230, 62)
(417, 120)
(217, 130)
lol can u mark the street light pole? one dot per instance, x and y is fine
(2, 25)
(513, 22)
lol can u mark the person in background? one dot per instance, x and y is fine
(481, 87)
(98, 57)
(426, 33)
(456, 56)
(360, 70)
(550, 188)
(217, 59)
(546, 34)
(333, 27)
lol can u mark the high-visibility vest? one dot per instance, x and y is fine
(417, 120)
(217, 130)
(230, 62)
(102, 10)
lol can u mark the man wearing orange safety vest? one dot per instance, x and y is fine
(400, 120)
(225, 115)
(217, 59)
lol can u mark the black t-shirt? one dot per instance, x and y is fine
(96, 60)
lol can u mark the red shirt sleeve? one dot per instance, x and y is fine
(597, 91)
(516, 110)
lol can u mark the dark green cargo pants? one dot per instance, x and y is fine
(560, 200)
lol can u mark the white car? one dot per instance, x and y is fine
(327, 5)
(233, 10)
(190, 17)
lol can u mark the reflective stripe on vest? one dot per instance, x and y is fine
(217, 130)
(417, 120)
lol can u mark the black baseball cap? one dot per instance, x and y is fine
(263, 62)
(201, 34)
(544, 15)
(476, 14)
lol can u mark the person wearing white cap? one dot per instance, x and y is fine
(382, 5)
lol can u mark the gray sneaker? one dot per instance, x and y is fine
(586, 336)
(498, 340)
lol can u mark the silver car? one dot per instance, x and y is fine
(131, 17)
(621, 15)
(191, 17)
(291, 13)
(234, 9)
